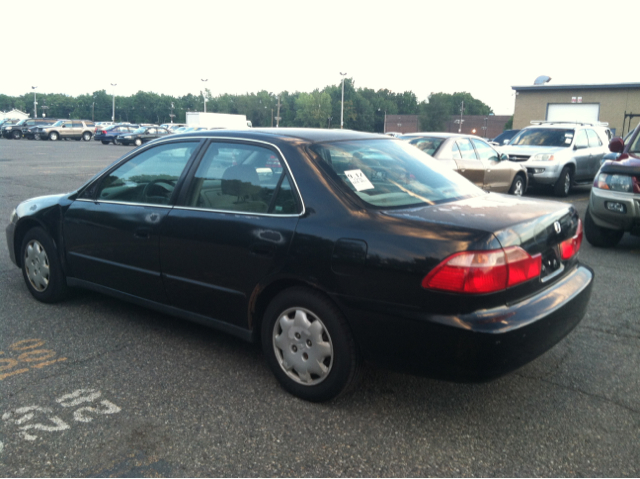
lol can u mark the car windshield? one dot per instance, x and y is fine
(387, 173)
(427, 144)
(543, 137)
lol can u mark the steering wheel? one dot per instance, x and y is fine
(164, 190)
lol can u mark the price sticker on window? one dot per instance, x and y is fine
(359, 180)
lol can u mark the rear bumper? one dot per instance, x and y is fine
(472, 347)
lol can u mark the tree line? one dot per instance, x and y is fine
(364, 108)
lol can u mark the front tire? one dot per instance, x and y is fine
(518, 186)
(598, 236)
(16, 134)
(53, 136)
(41, 267)
(309, 346)
(563, 185)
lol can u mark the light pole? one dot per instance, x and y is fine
(342, 104)
(461, 120)
(35, 109)
(113, 114)
(204, 100)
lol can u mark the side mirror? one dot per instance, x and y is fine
(504, 157)
(505, 142)
(616, 145)
(579, 147)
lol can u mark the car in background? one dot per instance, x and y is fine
(503, 138)
(141, 135)
(328, 247)
(473, 158)
(30, 132)
(173, 126)
(559, 154)
(614, 156)
(110, 133)
(102, 125)
(614, 202)
(16, 131)
(67, 130)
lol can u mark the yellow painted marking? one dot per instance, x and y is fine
(41, 365)
(19, 346)
(19, 371)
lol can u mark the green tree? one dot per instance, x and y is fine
(312, 109)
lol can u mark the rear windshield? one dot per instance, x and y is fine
(543, 137)
(427, 144)
(390, 172)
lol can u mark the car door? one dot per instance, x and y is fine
(149, 135)
(582, 155)
(496, 176)
(229, 232)
(469, 165)
(597, 151)
(112, 230)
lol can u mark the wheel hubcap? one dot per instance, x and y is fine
(302, 346)
(567, 182)
(519, 187)
(36, 263)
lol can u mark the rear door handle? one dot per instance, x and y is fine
(263, 250)
(142, 233)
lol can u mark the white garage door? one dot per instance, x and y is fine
(578, 112)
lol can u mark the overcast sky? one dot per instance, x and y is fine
(482, 47)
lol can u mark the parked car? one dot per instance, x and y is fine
(559, 154)
(474, 159)
(356, 247)
(110, 133)
(503, 138)
(142, 135)
(17, 130)
(30, 131)
(173, 126)
(614, 203)
(614, 156)
(103, 125)
(66, 130)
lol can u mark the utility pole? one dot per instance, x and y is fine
(204, 100)
(278, 114)
(342, 104)
(461, 120)
(35, 108)
(113, 111)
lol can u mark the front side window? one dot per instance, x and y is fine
(241, 177)
(148, 178)
(466, 149)
(594, 139)
(387, 173)
(543, 137)
(485, 152)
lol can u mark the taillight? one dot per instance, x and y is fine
(477, 272)
(570, 247)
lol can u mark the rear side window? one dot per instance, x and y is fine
(386, 173)
(466, 149)
(241, 177)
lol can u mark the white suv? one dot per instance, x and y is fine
(560, 154)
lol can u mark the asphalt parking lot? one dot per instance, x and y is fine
(98, 387)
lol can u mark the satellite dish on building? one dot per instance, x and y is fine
(541, 80)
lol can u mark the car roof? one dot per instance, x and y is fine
(440, 135)
(311, 135)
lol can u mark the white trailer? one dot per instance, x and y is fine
(217, 120)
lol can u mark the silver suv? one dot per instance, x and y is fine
(67, 129)
(560, 154)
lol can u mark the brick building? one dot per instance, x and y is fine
(484, 126)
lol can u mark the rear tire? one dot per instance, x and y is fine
(105, 142)
(598, 236)
(309, 346)
(16, 134)
(563, 185)
(138, 142)
(86, 136)
(41, 267)
(518, 186)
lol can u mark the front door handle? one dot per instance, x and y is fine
(142, 233)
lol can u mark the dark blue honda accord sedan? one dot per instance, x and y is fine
(330, 247)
